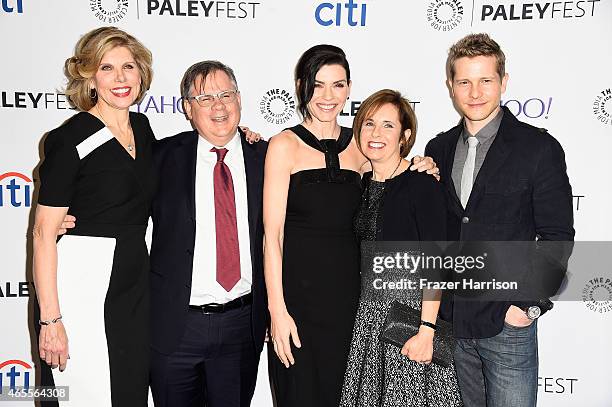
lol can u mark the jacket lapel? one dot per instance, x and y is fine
(185, 157)
(447, 172)
(253, 165)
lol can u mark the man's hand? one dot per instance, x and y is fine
(68, 223)
(517, 317)
(251, 136)
(427, 164)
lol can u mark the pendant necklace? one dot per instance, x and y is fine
(130, 146)
(392, 174)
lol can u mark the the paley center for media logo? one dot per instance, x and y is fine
(15, 190)
(597, 294)
(445, 15)
(277, 106)
(602, 107)
(109, 11)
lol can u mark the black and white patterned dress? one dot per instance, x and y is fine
(377, 374)
(103, 263)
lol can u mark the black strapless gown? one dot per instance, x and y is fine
(321, 279)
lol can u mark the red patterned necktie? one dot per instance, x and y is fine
(228, 254)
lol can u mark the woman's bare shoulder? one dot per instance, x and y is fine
(286, 141)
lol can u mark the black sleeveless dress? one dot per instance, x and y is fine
(321, 280)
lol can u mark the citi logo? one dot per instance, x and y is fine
(15, 190)
(15, 373)
(351, 12)
(12, 6)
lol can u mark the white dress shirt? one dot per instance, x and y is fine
(204, 286)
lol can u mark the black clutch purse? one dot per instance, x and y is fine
(403, 323)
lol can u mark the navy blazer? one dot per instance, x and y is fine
(174, 229)
(521, 193)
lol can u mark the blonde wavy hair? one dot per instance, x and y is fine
(89, 51)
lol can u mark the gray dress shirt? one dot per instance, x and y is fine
(485, 137)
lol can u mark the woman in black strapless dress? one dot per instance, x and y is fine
(311, 194)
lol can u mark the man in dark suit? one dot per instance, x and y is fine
(208, 296)
(506, 181)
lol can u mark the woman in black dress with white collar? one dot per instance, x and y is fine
(92, 285)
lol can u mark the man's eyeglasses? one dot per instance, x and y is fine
(225, 97)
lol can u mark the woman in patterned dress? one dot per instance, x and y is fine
(397, 205)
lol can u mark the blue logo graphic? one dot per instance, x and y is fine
(15, 373)
(533, 108)
(328, 14)
(17, 191)
(12, 6)
(161, 104)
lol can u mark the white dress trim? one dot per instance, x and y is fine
(85, 147)
(84, 266)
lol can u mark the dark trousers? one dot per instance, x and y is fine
(214, 366)
(501, 371)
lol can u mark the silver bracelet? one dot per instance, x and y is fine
(49, 321)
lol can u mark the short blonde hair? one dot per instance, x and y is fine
(88, 53)
(474, 45)
(407, 117)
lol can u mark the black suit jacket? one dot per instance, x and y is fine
(521, 193)
(174, 228)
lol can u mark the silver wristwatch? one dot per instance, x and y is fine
(533, 312)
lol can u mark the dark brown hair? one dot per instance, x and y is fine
(407, 118)
(306, 70)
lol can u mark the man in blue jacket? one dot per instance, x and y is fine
(506, 181)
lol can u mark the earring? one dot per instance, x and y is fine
(92, 93)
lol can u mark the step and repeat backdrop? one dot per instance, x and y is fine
(559, 55)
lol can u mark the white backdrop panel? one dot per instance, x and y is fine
(558, 57)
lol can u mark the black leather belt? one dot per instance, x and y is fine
(214, 308)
